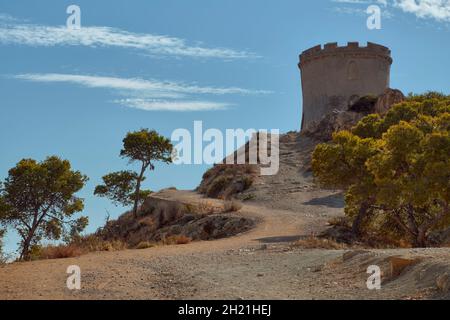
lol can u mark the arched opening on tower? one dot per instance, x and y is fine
(352, 71)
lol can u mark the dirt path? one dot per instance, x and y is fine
(161, 272)
(259, 264)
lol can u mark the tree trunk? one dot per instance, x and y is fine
(356, 226)
(412, 224)
(138, 191)
(421, 239)
(25, 253)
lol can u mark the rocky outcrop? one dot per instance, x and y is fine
(223, 181)
(345, 119)
(160, 219)
(387, 99)
(335, 121)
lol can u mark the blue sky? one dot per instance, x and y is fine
(163, 64)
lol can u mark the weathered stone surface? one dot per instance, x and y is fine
(353, 253)
(334, 121)
(337, 120)
(387, 99)
(333, 77)
(443, 282)
(398, 264)
(159, 219)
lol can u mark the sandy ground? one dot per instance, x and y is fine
(258, 264)
(180, 271)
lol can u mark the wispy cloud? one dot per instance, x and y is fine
(13, 32)
(359, 7)
(160, 105)
(135, 84)
(147, 94)
(438, 10)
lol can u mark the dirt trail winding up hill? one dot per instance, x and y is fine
(258, 264)
(154, 272)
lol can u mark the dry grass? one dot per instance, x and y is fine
(145, 245)
(205, 207)
(232, 206)
(176, 239)
(93, 243)
(248, 197)
(313, 242)
(114, 245)
(84, 245)
(339, 221)
(57, 252)
(223, 181)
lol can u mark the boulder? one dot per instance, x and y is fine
(387, 99)
(332, 122)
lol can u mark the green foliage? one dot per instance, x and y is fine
(368, 127)
(145, 147)
(38, 199)
(120, 187)
(76, 228)
(345, 159)
(395, 170)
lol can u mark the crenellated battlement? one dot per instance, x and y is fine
(351, 49)
(334, 77)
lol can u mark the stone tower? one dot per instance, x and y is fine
(334, 77)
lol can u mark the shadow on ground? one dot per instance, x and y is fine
(332, 201)
(280, 239)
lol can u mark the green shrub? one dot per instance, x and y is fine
(218, 186)
(394, 170)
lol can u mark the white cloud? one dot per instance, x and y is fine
(146, 94)
(135, 84)
(438, 10)
(12, 32)
(359, 7)
(161, 105)
(435, 9)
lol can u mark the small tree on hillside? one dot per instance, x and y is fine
(144, 147)
(38, 198)
(120, 188)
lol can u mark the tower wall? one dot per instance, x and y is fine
(333, 77)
